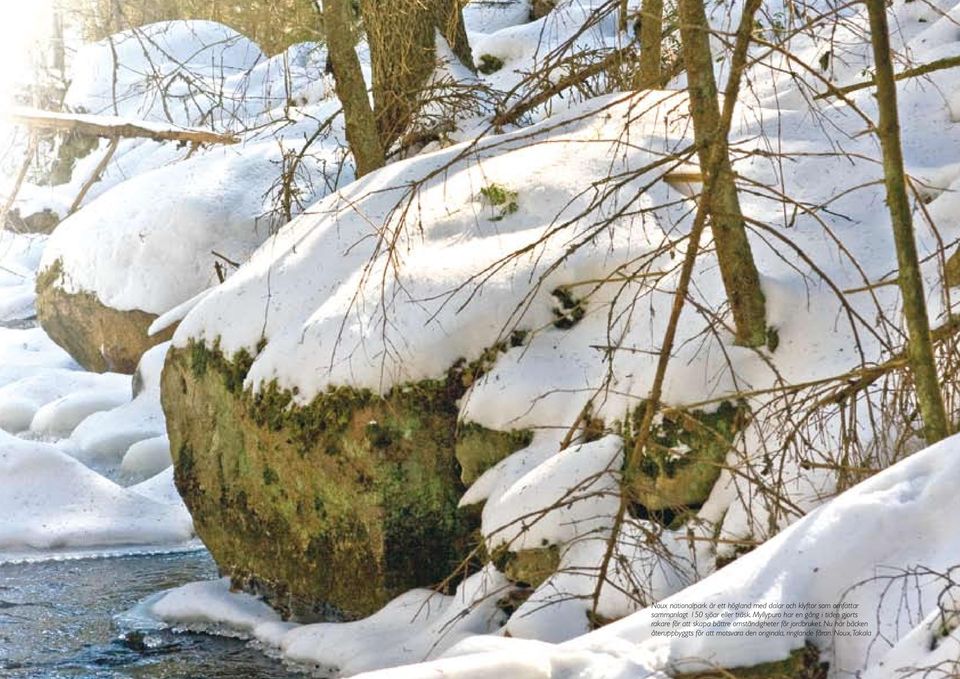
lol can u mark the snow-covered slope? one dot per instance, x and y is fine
(899, 586)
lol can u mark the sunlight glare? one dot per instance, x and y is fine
(24, 29)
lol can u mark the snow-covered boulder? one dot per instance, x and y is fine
(315, 445)
(158, 239)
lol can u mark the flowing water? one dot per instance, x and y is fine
(59, 619)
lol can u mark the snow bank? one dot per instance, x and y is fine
(832, 555)
(188, 74)
(456, 234)
(49, 501)
(20, 401)
(169, 71)
(104, 440)
(414, 626)
(60, 417)
(146, 458)
(25, 351)
(575, 31)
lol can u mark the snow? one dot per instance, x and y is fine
(19, 257)
(103, 440)
(21, 400)
(374, 286)
(489, 17)
(545, 47)
(58, 418)
(146, 458)
(160, 487)
(191, 60)
(830, 556)
(569, 496)
(413, 626)
(459, 238)
(49, 501)
(24, 351)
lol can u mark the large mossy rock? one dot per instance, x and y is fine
(98, 337)
(330, 508)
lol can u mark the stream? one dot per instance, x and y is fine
(60, 619)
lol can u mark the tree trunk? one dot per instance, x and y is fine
(651, 38)
(401, 38)
(449, 21)
(361, 126)
(919, 347)
(740, 278)
(403, 54)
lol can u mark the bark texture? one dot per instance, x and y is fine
(401, 34)
(738, 270)
(651, 36)
(361, 126)
(920, 346)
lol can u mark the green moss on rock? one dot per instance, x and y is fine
(684, 454)
(327, 508)
(98, 337)
(479, 448)
(803, 663)
(489, 64)
(528, 567)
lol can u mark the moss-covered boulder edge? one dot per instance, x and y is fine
(328, 509)
(802, 663)
(98, 337)
(682, 460)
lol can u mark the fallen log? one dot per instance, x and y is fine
(112, 127)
